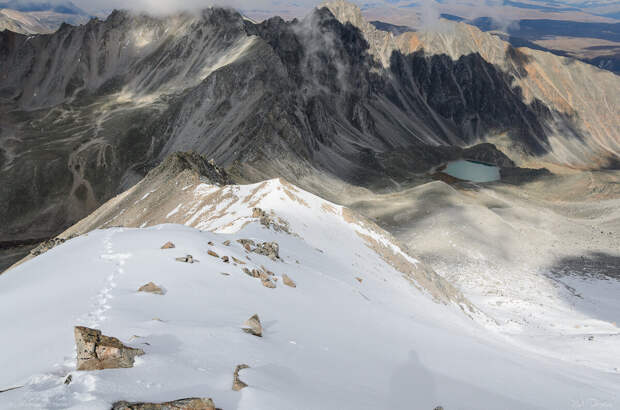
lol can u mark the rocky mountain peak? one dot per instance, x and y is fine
(178, 162)
(381, 43)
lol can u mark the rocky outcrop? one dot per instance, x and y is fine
(168, 245)
(270, 221)
(253, 326)
(380, 42)
(489, 154)
(49, 244)
(192, 403)
(178, 162)
(269, 249)
(238, 384)
(518, 176)
(96, 351)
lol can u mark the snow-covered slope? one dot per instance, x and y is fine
(542, 259)
(331, 342)
(366, 325)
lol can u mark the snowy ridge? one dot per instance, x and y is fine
(352, 333)
(230, 208)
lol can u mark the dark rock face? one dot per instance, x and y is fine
(84, 118)
(472, 98)
(192, 161)
(518, 176)
(488, 154)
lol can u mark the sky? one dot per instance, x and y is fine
(163, 6)
(428, 10)
(415, 13)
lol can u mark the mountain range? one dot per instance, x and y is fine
(89, 110)
(36, 17)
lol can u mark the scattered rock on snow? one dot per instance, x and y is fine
(226, 243)
(188, 259)
(248, 244)
(192, 403)
(215, 255)
(253, 273)
(288, 281)
(269, 221)
(167, 245)
(269, 249)
(225, 258)
(96, 351)
(257, 213)
(239, 261)
(268, 283)
(237, 383)
(151, 288)
(253, 326)
(359, 279)
(68, 379)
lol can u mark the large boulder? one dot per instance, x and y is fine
(192, 403)
(96, 351)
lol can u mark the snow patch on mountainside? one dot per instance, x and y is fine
(350, 319)
(333, 341)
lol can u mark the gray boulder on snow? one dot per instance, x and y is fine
(253, 326)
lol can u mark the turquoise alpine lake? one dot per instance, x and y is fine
(472, 171)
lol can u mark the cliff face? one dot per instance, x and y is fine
(88, 110)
